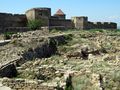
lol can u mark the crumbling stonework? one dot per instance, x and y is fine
(21, 84)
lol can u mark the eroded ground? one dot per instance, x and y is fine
(91, 58)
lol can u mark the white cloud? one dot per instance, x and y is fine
(114, 17)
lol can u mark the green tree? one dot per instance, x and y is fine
(34, 24)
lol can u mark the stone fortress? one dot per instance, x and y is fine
(57, 21)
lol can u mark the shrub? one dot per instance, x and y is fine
(69, 83)
(8, 35)
(34, 24)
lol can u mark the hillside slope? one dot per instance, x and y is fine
(83, 60)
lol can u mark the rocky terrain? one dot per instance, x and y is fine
(72, 60)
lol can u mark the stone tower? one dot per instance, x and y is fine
(42, 14)
(80, 22)
(59, 14)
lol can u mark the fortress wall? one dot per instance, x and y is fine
(85, 25)
(60, 16)
(10, 20)
(15, 20)
(104, 25)
(82, 23)
(99, 25)
(113, 25)
(90, 25)
(61, 22)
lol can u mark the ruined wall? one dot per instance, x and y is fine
(21, 84)
(67, 24)
(12, 20)
(16, 29)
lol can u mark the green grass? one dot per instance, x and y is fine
(109, 69)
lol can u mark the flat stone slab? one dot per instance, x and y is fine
(3, 42)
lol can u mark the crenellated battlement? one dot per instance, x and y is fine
(104, 25)
(57, 20)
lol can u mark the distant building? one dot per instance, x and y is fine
(57, 21)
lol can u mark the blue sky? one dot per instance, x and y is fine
(96, 10)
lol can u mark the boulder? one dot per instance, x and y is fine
(8, 70)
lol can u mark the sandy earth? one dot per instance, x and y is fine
(4, 87)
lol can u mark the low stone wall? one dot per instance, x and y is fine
(16, 29)
(22, 84)
(57, 27)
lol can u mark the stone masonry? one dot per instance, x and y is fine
(58, 20)
(21, 84)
